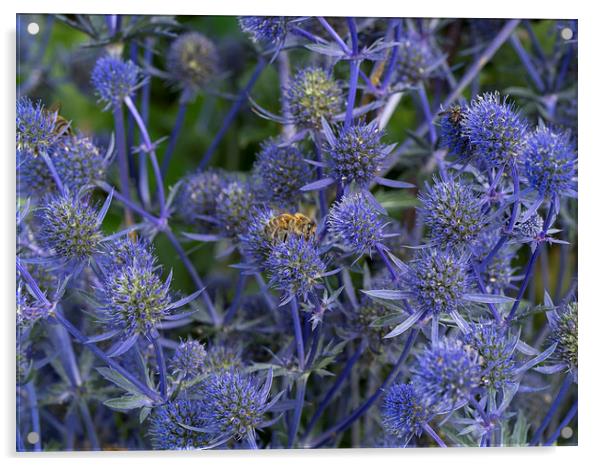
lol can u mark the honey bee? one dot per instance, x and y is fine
(455, 114)
(281, 226)
(62, 126)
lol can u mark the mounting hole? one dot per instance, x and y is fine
(33, 437)
(566, 33)
(33, 28)
(567, 432)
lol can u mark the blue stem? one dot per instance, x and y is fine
(151, 151)
(122, 161)
(102, 355)
(428, 116)
(160, 365)
(527, 62)
(565, 422)
(299, 399)
(35, 414)
(89, 424)
(242, 97)
(338, 383)
(194, 275)
(334, 35)
(564, 388)
(531, 264)
(320, 172)
(343, 425)
(240, 287)
(298, 334)
(173, 137)
(143, 187)
(429, 430)
(388, 74)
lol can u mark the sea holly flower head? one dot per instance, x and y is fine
(78, 163)
(37, 128)
(235, 403)
(550, 162)
(134, 297)
(403, 412)
(279, 173)
(70, 226)
(415, 60)
(172, 426)
(496, 354)
(528, 229)
(189, 358)
(233, 207)
(256, 242)
(451, 135)
(115, 79)
(446, 374)
(496, 131)
(356, 153)
(295, 266)
(437, 280)
(196, 198)
(356, 224)
(313, 95)
(264, 29)
(452, 211)
(223, 357)
(192, 61)
(565, 333)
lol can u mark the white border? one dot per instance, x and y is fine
(590, 180)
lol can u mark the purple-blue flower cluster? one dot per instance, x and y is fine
(295, 249)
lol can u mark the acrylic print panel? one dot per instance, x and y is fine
(278, 232)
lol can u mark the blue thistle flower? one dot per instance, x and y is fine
(295, 266)
(264, 29)
(222, 357)
(77, 161)
(496, 131)
(357, 153)
(134, 297)
(196, 198)
(446, 374)
(37, 128)
(114, 80)
(496, 354)
(451, 135)
(452, 211)
(70, 227)
(256, 242)
(565, 333)
(192, 61)
(356, 224)
(437, 280)
(279, 173)
(313, 95)
(235, 404)
(168, 423)
(415, 60)
(29, 309)
(403, 413)
(234, 203)
(528, 229)
(550, 162)
(189, 358)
